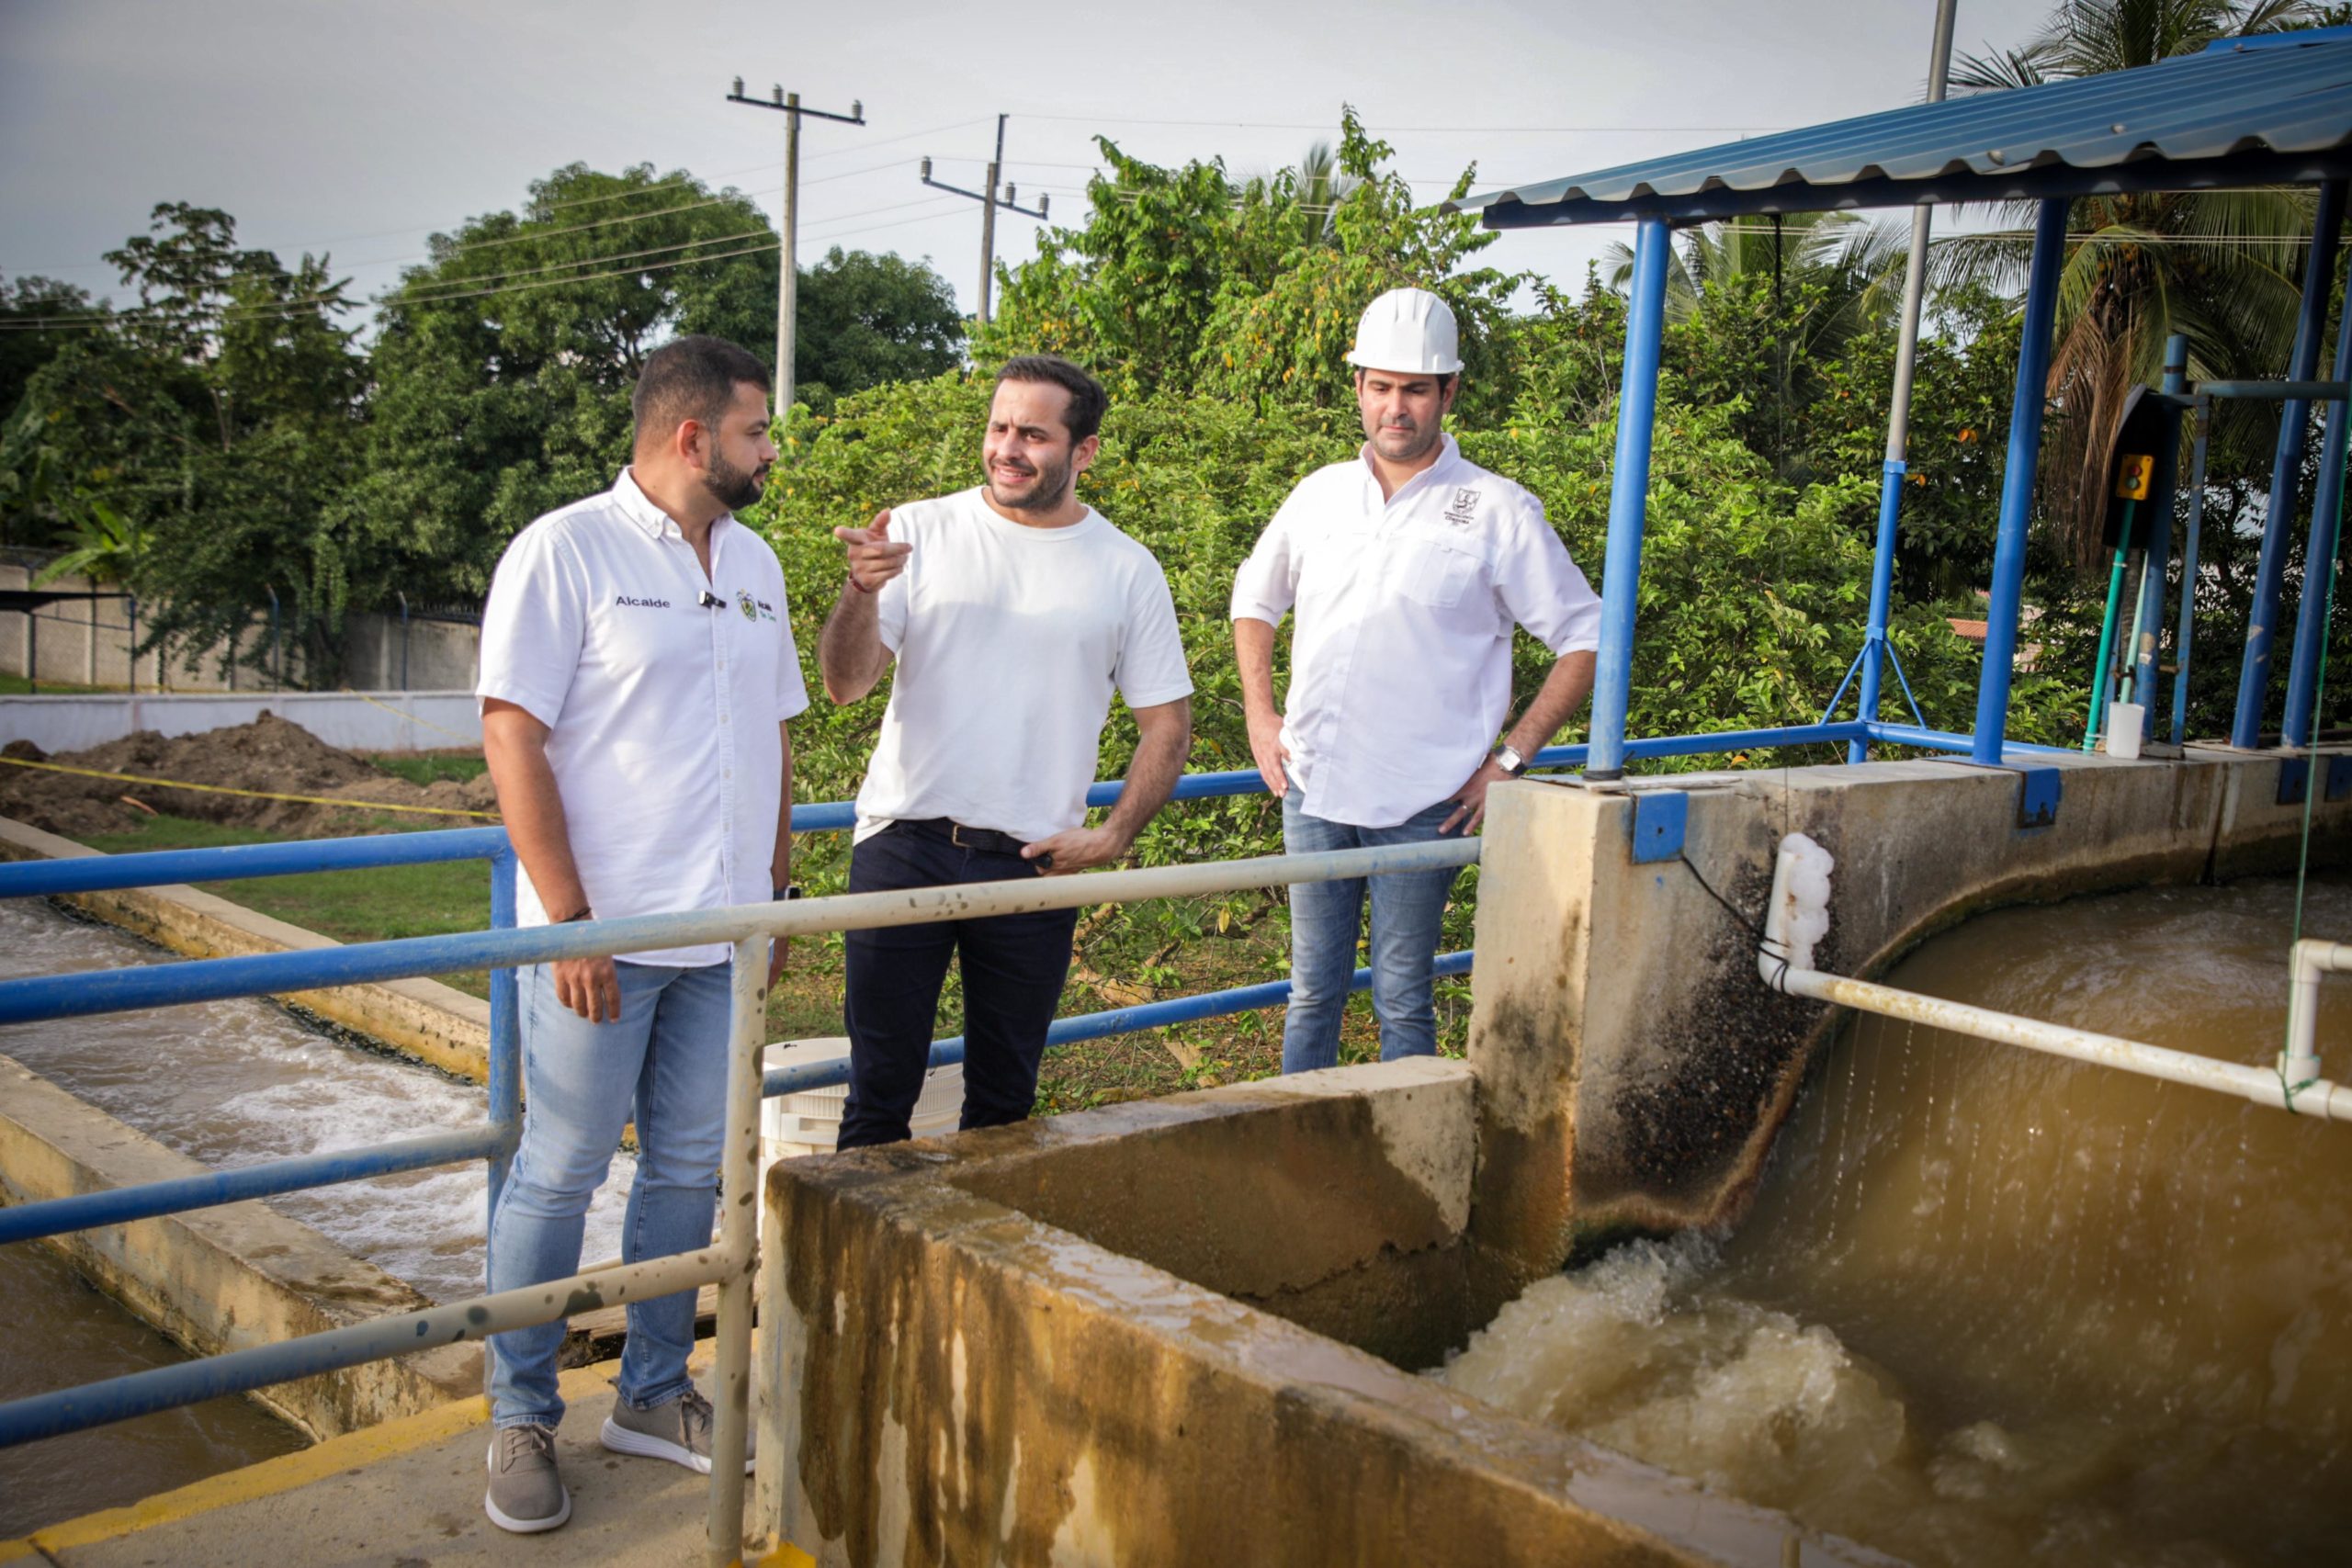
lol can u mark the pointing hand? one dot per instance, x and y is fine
(873, 557)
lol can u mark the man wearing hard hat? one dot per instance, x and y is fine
(1407, 569)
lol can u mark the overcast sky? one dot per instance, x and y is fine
(359, 127)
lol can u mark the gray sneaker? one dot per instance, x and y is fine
(526, 1492)
(679, 1431)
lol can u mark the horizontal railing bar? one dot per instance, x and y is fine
(1096, 1025)
(1945, 740)
(2273, 391)
(99, 873)
(241, 1372)
(150, 868)
(55, 1216)
(76, 996)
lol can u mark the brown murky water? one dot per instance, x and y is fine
(228, 1083)
(1995, 1307)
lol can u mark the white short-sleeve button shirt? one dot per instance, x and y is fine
(662, 707)
(1400, 660)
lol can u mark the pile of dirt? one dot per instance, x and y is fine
(269, 756)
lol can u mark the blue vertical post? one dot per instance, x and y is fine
(505, 1032)
(2185, 636)
(2286, 471)
(2016, 482)
(2157, 563)
(1890, 508)
(2319, 558)
(1628, 500)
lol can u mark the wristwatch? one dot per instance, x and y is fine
(1509, 760)
(786, 891)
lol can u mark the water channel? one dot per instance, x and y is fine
(227, 1083)
(1995, 1307)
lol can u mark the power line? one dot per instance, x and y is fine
(1429, 129)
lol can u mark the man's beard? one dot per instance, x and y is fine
(1415, 444)
(1046, 490)
(734, 488)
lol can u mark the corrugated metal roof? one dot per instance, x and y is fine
(2258, 111)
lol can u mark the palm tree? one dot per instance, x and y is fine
(2220, 267)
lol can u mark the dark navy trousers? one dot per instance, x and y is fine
(1013, 966)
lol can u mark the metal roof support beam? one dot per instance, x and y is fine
(2017, 481)
(2319, 558)
(2157, 561)
(1629, 488)
(2286, 473)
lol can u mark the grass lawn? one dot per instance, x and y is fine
(1122, 959)
(429, 767)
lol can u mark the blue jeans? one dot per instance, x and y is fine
(1407, 908)
(664, 1060)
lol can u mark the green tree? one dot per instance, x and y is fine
(865, 319)
(37, 316)
(195, 441)
(503, 365)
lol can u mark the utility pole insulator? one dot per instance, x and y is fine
(776, 92)
(739, 87)
(926, 168)
(1012, 193)
(857, 110)
(1043, 202)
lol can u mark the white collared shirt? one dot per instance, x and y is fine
(1401, 662)
(661, 709)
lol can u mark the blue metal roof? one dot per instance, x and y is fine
(2274, 110)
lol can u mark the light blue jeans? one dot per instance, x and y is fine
(1325, 918)
(664, 1061)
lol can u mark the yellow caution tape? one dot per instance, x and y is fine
(249, 794)
(457, 734)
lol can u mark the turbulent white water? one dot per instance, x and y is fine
(1993, 1307)
(235, 1083)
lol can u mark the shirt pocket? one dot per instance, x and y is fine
(1436, 572)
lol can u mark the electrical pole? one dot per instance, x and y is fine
(989, 201)
(787, 287)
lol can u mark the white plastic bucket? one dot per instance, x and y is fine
(2124, 723)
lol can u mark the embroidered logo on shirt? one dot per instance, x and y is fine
(640, 604)
(767, 610)
(743, 602)
(1464, 509)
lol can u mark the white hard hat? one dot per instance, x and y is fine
(1407, 330)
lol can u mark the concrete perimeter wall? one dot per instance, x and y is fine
(1633, 1067)
(223, 1278)
(356, 721)
(424, 1020)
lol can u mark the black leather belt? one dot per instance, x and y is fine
(963, 838)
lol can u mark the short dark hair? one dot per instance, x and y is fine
(1444, 378)
(1087, 399)
(691, 377)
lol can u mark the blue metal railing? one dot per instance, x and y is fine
(501, 948)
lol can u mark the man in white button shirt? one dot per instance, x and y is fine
(1013, 611)
(1406, 567)
(636, 672)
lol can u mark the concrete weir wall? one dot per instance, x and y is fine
(424, 1020)
(1632, 1066)
(222, 1279)
(1189, 1329)
(1172, 1332)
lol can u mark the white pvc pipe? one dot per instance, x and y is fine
(2310, 959)
(1790, 970)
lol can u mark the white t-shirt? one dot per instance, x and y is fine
(661, 711)
(1009, 641)
(1401, 662)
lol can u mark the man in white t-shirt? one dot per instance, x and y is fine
(636, 672)
(1013, 611)
(1406, 567)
